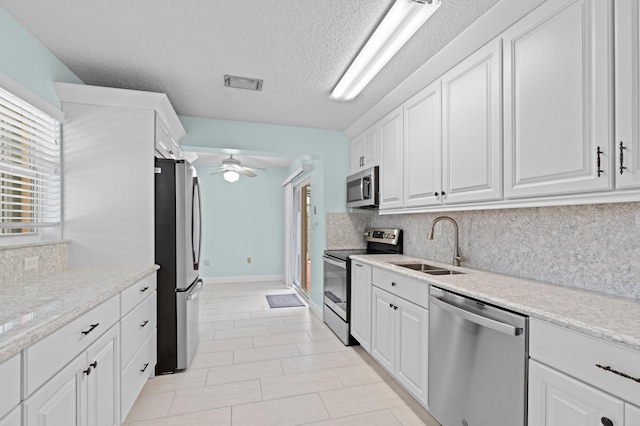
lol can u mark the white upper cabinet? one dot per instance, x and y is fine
(558, 108)
(627, 142)
(422, 147)
(390, 131)
(471, 128)
(364, 150)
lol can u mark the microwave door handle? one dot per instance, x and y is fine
(361, 189)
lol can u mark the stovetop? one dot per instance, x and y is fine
(344, 254)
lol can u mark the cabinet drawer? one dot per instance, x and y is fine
(410, 289)
(49, 355)
(578, 355)
(136, 374)
(10, 389)
(135, 294)
(136, 327)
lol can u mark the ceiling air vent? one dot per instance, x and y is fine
(242, 82)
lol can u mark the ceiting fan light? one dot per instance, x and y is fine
(397, 27)
(231, 176)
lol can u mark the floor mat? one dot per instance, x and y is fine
(284, 301)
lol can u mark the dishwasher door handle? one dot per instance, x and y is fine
(498, 326)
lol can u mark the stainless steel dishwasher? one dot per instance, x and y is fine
(478, 358)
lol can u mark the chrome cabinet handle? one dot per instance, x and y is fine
(87, 371)
(391, 305)
(144, 367)
(598, 153)
(359, 265)
(94, 364)
(395, 308)
(93, 326)
(393, 284)
(144, 323)
(622, 148)
(142, 290)
(435, 194)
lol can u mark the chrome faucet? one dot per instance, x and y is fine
(456, 250)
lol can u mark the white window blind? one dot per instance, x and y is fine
(29, 167)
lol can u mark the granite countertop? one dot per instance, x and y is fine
(33, 309)
(611, 318)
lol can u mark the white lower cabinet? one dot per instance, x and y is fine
(556, 399)
(399, 340)
(82, 393)
(10, 388)
(631, 415)
(361, 304)
(14, 418)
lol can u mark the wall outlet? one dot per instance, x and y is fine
(206, 262)
(30, 263)
(248, 260)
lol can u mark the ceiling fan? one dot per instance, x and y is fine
(232, 169)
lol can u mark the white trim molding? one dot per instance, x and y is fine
(243, 279)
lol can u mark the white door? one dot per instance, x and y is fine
(422, 148)
(62, 400)
(104, 380)
(390, 133)
(627, 47)
(559, 400)
(471, 128)
(412, 331)
(361, 304)
(383, 328)
(558, 106)
(301, 262)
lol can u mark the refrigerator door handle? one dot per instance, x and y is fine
(195, 291)
(196, 228)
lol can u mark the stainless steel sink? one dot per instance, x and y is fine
(428, 269)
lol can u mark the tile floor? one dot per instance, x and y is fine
(262, 366)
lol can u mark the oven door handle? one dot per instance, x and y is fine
(498, 326)
(338, 263)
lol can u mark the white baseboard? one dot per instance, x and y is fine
(316, 309)
(242, 279)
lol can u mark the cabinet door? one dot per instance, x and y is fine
(104, 381)
(391, 174)
(471, 128)
(631, 415)
(559, 400)
(412, 331)
(59, 402)
(357, 148)
(361, 304)
(13, 418)
(627, 46)
(422, 148)
(383, 328)
(370, 148)
(558, 104)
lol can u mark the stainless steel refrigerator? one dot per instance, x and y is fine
(177, 252)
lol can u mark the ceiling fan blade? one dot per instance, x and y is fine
(246, 172)
(254, 168)
(218, 171)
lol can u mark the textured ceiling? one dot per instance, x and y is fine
(184, 47)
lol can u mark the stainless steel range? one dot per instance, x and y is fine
(337, 277)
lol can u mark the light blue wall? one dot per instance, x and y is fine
(27, 62)
(230, 227)
(329, 151)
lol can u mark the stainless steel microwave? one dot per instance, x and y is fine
(362, 189)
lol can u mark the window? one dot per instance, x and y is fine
(29, 167)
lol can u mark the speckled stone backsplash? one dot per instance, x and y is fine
(344, 230)
(593, 247)
(52, 257)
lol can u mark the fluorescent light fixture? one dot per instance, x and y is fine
(402, 21)
(231, 176)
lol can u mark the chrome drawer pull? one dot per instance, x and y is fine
(93, 326)
(144, 368)
(142, 290)
(144, 323)
(619, 373)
